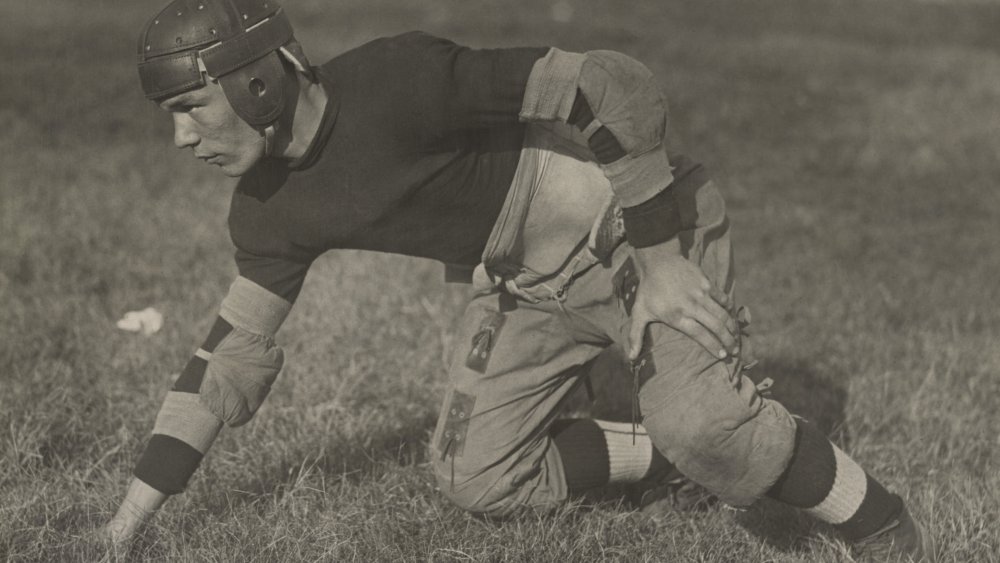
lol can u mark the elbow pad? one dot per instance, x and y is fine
(246, 362)
(627, 102)
(239, 375)
(623, 99)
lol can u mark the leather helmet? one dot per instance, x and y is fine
(236, 42)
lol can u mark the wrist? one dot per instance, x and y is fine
(650, 258)
(139, 505)
(654, 221)
(142, 498)
(665, 250)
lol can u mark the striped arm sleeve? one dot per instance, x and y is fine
(184, 428)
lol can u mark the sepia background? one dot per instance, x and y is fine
(857, 144)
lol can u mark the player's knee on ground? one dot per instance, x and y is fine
(487, 492)
(483, 494)
(723, 435)
(524, 482)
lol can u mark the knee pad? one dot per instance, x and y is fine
(736, 455)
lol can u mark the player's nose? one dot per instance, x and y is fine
(184, 133)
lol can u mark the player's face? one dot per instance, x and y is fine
(205, 122)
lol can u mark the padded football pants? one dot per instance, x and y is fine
(515, 361)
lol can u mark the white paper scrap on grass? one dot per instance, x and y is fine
(147, 321)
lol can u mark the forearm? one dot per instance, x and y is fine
(182, 435)
(611, 98)
(225, 382)
(185, 428)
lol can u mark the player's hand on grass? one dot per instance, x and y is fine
(120, 530)
(102, 548)
(137, 508)
(111, 541)
(675, 292)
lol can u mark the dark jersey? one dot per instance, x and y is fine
(415, 154)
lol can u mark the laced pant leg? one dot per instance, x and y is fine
(703, 413)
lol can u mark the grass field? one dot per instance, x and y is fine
(857, 145)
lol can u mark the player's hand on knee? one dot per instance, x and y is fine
(675, 292)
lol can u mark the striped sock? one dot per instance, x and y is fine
(832, 487)
(596, 453)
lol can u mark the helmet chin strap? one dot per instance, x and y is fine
(269, 141)
(292, 53)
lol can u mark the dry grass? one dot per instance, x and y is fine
(857, 143)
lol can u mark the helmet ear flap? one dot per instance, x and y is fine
(257, 91)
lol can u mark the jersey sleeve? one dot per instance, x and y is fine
(228, 377)
(611, 97)
(454, 87)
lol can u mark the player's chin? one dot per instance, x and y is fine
(227, 171)
(234, 169)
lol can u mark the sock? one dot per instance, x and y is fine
(596, 453)
(832, 487)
